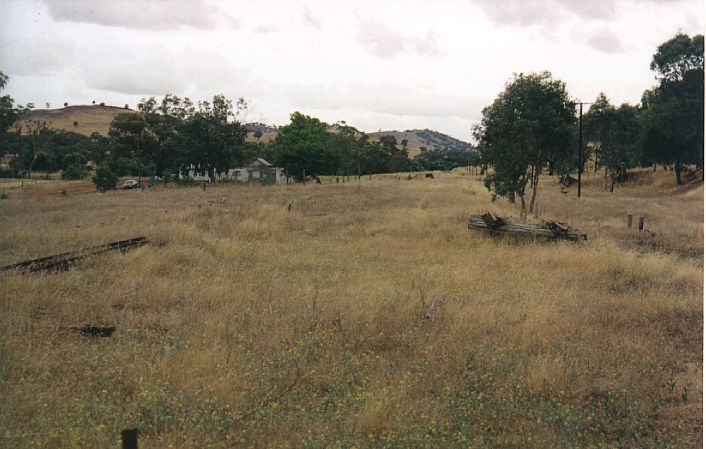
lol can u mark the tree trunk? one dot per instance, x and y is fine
(523, 209)
(31, 164)
(677, 170)
(534, 195)
(612, 181)
(212, 174)
(535, 181)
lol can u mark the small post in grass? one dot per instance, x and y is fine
(129, 437)
(629, 221)
(641, 225)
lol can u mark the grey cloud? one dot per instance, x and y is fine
(548, 12)
(384, 42)
(603, 39)
(517, 12)
(429, 45)
(265, 29)
(36, 56)
(380, 40)
(543, 12)
(387, 99)
(147, 15)
(160, 71)
(309, 19)
(597, 10)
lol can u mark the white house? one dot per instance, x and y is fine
(258, 170)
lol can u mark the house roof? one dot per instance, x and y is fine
(261, 161)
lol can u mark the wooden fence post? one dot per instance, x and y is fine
(641, 225)
(629, 221)
(129, 437)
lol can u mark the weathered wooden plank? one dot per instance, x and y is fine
(561, 232)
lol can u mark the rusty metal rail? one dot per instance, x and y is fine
(64, 261)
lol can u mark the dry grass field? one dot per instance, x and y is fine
(367, 316)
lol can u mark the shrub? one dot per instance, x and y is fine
(105, 178)
(75, 171)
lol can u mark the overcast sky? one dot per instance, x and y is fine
(375, 65)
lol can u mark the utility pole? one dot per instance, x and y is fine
(580, 144)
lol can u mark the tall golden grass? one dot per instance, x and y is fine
(368, 315)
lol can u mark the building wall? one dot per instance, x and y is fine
(243, 174)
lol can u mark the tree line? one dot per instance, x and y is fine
(532, 126)
(175, 136)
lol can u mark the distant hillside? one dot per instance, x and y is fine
(262, 127)
(268, 132)
(82, 119)
(430, 139)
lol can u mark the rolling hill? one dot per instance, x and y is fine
(425, 138)
(82, 119)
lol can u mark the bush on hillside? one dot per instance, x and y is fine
(105, 178)
(75, 172)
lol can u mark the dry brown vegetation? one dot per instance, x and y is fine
(87, 118)
(386, 322)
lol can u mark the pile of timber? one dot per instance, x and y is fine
(490, 222)
(65, 260)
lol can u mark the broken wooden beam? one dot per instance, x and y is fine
(551, 230)
(64, 261)
(492, 220)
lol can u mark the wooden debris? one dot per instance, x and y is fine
(556, 226)
(492, 220)
(95, 331)
(549, 230)
(64, 261)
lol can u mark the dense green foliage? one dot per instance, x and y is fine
(105, 178)
(9, 113)
(674, 110)
(212, 142)
(302, 148)
(42, 149)
(174, 134)
(305, 146)
(527, 128)
(531, 126)
(615, 134)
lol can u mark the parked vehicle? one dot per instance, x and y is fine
(130, 184)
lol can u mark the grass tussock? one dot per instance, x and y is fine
(364, 315)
